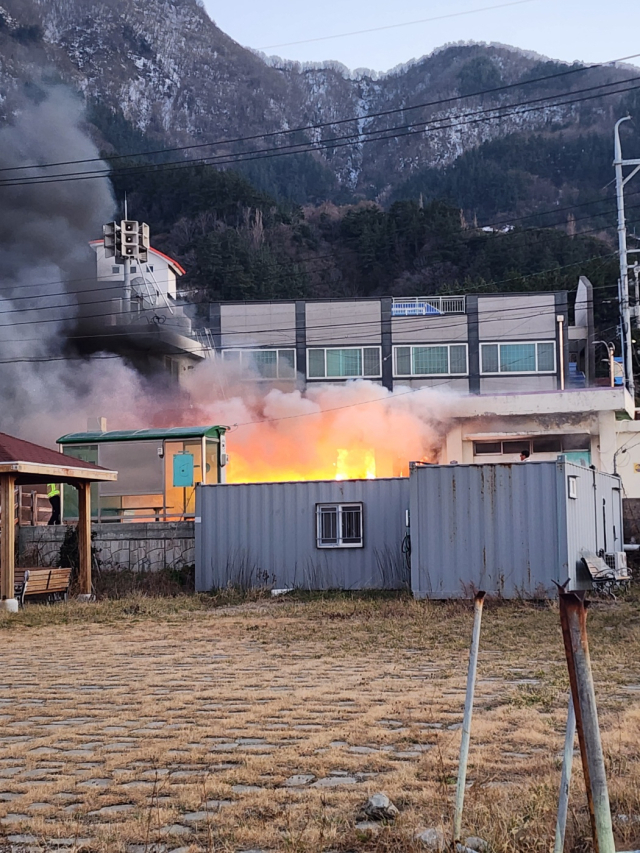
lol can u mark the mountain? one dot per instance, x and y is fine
(157, 73)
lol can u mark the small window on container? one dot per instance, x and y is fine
(552, 444)
(516, 447)
(573, 487)
(487, 448)
(115, 270)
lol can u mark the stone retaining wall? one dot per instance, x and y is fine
(139, 547)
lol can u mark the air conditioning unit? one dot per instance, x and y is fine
(617, 562)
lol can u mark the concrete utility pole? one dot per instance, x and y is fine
(623, 283)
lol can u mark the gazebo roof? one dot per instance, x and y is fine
(27, 461)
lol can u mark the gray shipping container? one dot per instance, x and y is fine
(509, 529)
(268, 534)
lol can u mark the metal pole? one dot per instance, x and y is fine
(573, 618)
(611, 364)
(560, 320)
(468, 712)
(565, 780)
(625, 311)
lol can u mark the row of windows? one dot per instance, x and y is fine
(543, 444)
(408, 361)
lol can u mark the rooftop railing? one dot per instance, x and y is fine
(428, 306)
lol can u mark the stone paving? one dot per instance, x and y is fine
(147, 737)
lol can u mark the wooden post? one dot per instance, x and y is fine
(7, 537)
(84, 537)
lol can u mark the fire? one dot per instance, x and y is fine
(355, 464)
(357, 430)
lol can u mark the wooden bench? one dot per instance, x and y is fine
(52, 583)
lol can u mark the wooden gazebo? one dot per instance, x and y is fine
(23, 464)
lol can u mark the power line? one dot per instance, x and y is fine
(358, 137)
(317, 328)
(397, 26)
(81, 317)
(114, 284)
(320, 125)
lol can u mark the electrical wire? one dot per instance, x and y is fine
(358, 137)
(321, 125)
(117, 283)
(80, 318)
(396, 26)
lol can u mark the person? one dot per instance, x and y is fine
(524, 455)
(53, 493)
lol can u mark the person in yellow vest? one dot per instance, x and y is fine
(53, 493)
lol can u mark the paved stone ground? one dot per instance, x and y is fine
(221, 734)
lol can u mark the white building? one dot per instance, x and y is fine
(153, 332)
(160, 271)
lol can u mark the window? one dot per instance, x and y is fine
(573, 487)
(267, 363)
(115, 270)
(525, 357)
(339, 526)
(431, 360)
(134, 268)
(343, 363)
(543, 444)
(150, 268)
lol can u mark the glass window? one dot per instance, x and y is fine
(516, 358)
(371, 361)
(115, 270)
(344, 362)
(520, 357)
(316, 363)
(286, 364)
(457, 359)
(551, 444)
(576, 442)
(403, 361)
(489, 358)
(516, 446)
(481, 448)
(266, 363)
(431, 360)
(339, 526)
(134, 268)
(546, 357)
(427, 360)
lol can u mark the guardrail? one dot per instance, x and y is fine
(428, 306)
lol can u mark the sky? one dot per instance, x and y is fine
(583, 30)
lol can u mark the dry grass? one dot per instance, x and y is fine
(146, 702)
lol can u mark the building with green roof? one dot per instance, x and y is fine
(158, 470)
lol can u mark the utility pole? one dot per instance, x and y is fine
(623, 282)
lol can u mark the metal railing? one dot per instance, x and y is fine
(428, 306)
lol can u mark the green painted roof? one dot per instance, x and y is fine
(142, 435)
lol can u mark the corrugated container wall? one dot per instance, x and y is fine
(510, 530)
(265, 534)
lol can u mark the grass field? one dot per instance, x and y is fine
(161, 724)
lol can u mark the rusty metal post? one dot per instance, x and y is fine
(573, 618)
(468, 712)
(565, 780)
